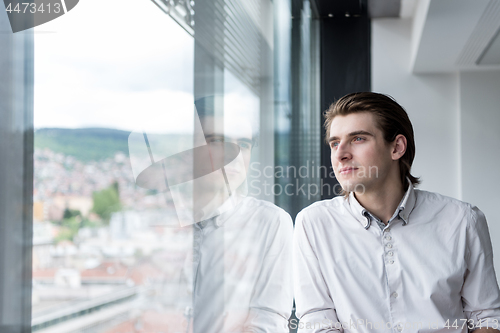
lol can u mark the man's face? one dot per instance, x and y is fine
(361, 159)
(235, 130)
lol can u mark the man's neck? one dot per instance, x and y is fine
(382, 202)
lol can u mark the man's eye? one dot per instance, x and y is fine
(217, 140)
(334, 144)
(244, 145)
(360, 139)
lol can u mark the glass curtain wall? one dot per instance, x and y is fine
(16, 177)
(174, 143)
(297, 110)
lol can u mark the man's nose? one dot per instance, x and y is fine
(343, 152)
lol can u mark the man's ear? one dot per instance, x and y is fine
(398, 147)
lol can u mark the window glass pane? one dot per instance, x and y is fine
(105, 255)
(167, 133)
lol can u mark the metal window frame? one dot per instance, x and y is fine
(16, 177)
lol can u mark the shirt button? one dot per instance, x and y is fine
(391, 262)
(400, 327)
(388, 237)
(395, 295)
(390, 253)
(389, 245)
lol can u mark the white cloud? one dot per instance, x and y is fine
(112, 63)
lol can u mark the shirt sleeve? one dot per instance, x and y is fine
(272, 300)
(314, 305)
(480, 293)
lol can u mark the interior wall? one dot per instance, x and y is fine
(480, 113)
(431, 101)
(456, 117)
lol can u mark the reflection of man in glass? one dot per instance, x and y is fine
(241, 262)
(223, 134)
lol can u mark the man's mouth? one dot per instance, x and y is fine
(345, 171)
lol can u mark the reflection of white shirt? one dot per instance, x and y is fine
(430, 266)
(257, 277)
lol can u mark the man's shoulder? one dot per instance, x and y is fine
(466, 214)
(434, 199)
(261, 204)
(455, 209)
(266, 217)
(265, 207)
(319, 207)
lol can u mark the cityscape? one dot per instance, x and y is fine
(107, 255)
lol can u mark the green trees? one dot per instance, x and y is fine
(69, 227)
(106, 202)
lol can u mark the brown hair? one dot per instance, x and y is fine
(391, 119)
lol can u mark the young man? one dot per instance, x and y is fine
(387, 257)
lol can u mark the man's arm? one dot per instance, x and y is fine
(480, 293)
(314, 305)
(272, 300)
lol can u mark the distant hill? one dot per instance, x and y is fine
(85, 144)
(94, 144)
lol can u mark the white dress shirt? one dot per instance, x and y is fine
(429, 270)
(239, 276)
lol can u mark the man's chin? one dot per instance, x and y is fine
(352, 186)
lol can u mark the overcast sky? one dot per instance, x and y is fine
(113, 63)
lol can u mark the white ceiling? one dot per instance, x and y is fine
(407, 8)
(456, 35)
(492, 54)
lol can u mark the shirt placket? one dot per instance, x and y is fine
(209, 304)
(197, 238)
(393, 275)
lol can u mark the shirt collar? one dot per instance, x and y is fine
(224, 212)
(403, 210)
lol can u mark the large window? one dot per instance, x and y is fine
(105, 255)
(156, 123)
